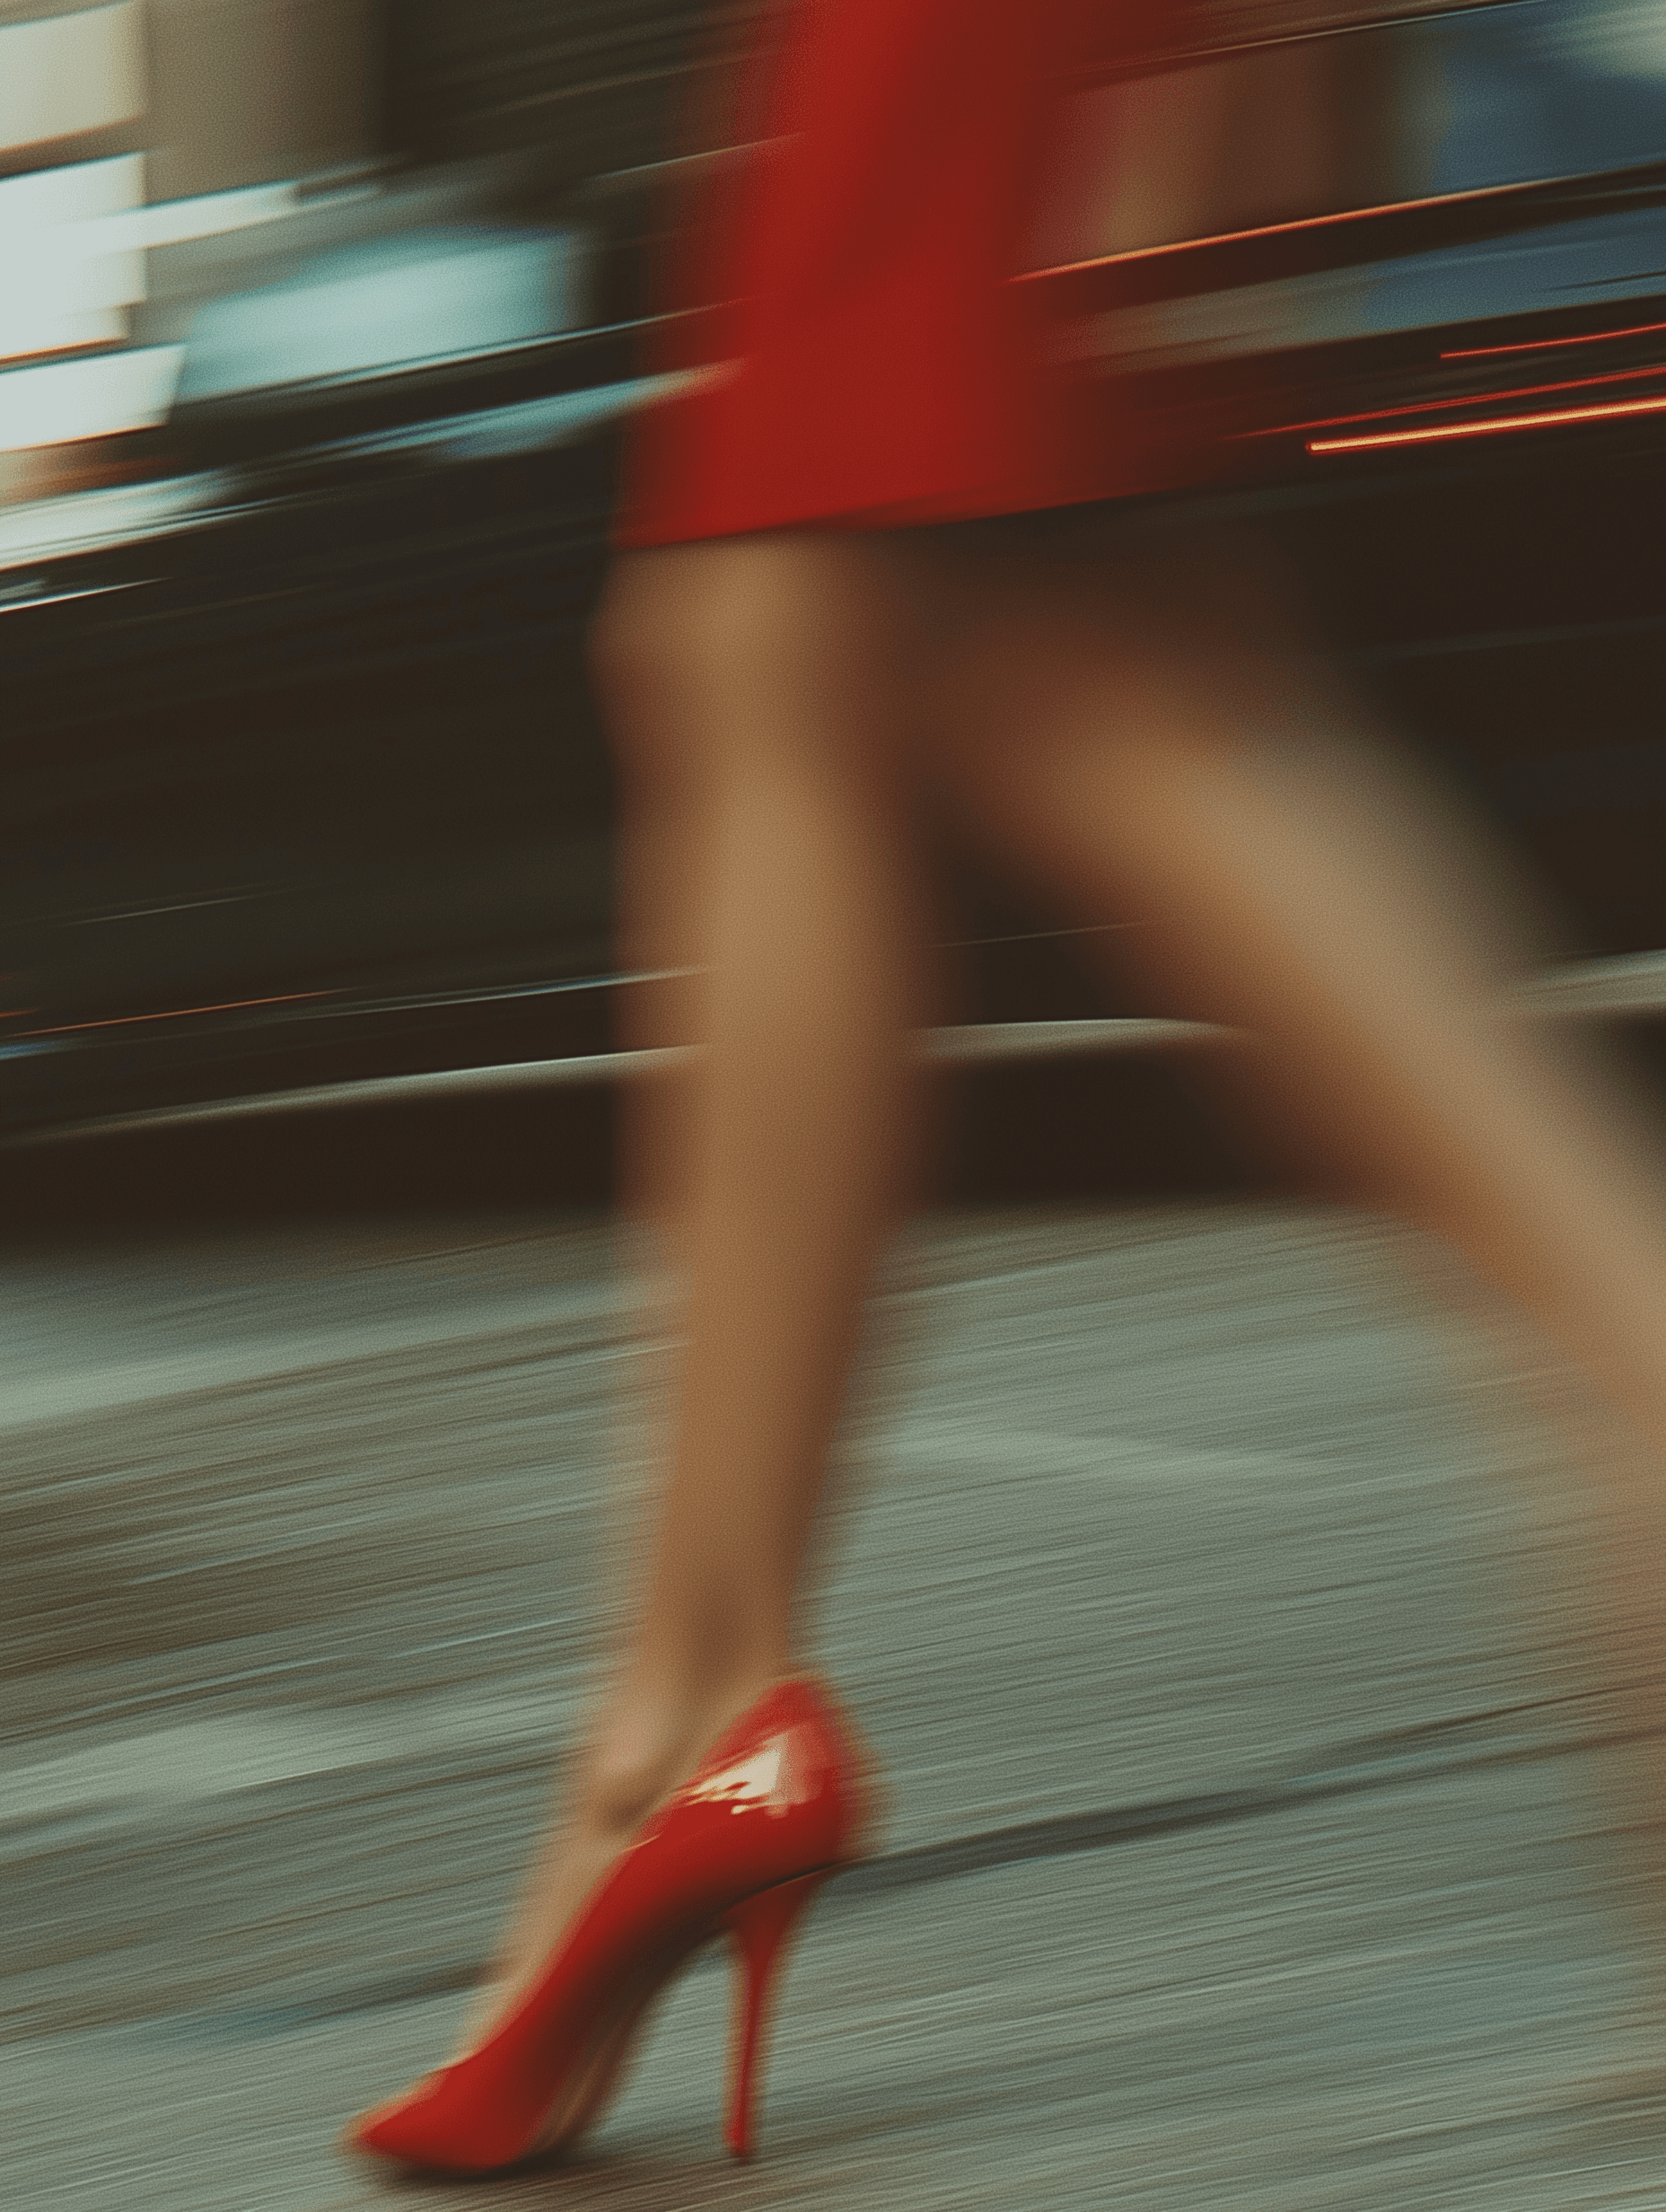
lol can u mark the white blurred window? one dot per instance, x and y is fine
(67, 272)
(63, 402)
(65, 76)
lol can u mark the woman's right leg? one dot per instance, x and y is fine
(1182, 772)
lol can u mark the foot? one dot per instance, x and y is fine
(646, 1743)
(743, 1847)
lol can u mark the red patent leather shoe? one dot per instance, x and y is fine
(777, 1805)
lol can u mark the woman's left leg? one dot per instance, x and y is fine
(756, 688)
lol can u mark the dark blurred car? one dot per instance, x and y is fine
(304, 783)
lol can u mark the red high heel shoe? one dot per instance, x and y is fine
(776, 1806)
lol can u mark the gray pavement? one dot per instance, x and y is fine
(1223, 1618)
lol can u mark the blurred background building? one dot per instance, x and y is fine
(317, 323)
(143, 143)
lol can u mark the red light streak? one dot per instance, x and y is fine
(171, 1014)
(1543, 345)
(1491, 426)
(1478, 399)
(1295, 227)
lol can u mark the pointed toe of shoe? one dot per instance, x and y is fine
(382, 2133)
(443, 2125)
(410, 2130)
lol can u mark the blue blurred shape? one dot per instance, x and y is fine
(1526, 89)
(387, 304)
(485, 433)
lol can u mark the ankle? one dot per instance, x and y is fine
(653, 1731)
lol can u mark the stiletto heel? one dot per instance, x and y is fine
(777, 1804)
(760, 1927)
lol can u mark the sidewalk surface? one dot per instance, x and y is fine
(1222, 1617)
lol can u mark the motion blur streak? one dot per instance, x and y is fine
(1296, 226)
(1546, 345)
(1554, 418)
(1521, 391)
(175, 1013)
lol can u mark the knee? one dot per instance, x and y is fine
(698, 638)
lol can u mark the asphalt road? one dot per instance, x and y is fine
(1221, 1617)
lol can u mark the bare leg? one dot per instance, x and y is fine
(1168, 768)
(1191, 781)
(755, 689)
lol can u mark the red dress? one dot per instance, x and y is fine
(877, 361)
